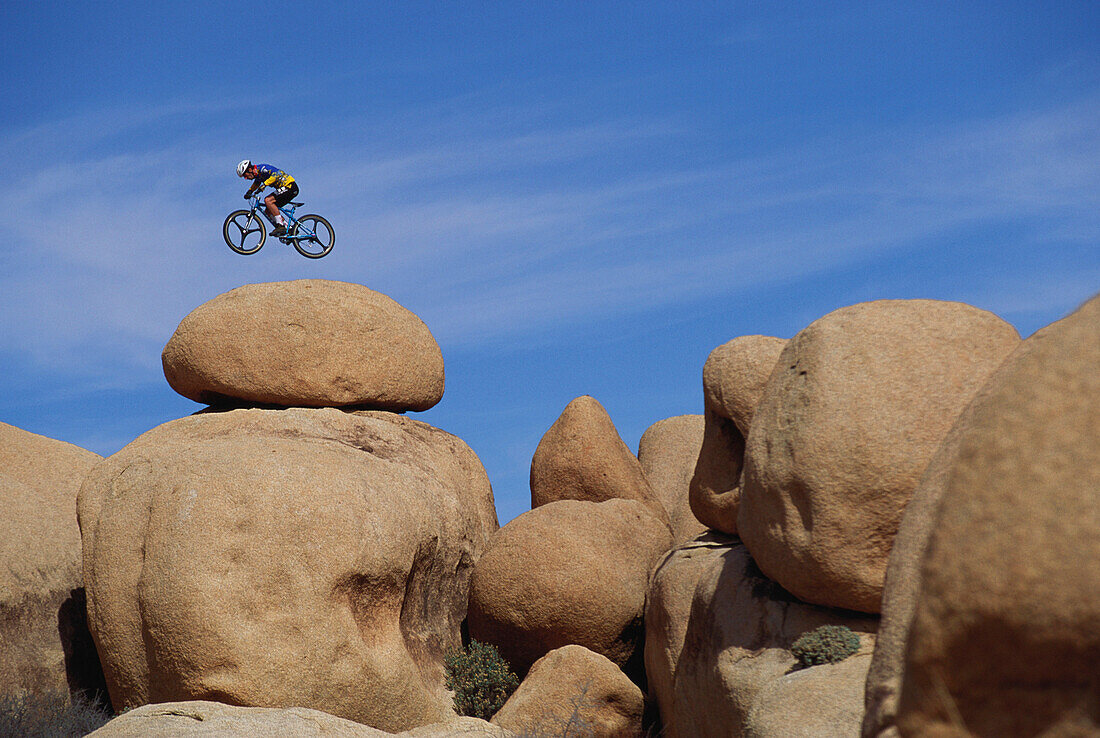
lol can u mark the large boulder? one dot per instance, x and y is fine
(734, 377)
(1005, 637)
(44, 645)
(582, 457)
(667, 609)
(573, 691)
(738, 642)
(203, 718)
(857, 405)
(667, 452)
(271, 558)
(310, 342)
(568, 572)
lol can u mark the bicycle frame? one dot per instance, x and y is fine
(260, 207)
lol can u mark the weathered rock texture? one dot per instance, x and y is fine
(668, 451)
(738, 641)
(272, 558)
(572, 691)
(667, 609)
(582, 457)
(824, 701)
(43, 640)
(857, 405)
(567, 572)
(899, 594)
(309, 342)
(1005, 638)
(734, 378)
(202, 718)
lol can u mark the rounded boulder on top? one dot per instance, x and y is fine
(309, 342)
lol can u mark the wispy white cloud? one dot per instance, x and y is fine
(498, 231)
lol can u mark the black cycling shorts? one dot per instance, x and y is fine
(283, 195)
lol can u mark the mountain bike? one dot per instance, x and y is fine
(245, 231)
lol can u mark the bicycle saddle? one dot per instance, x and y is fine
(297, 204)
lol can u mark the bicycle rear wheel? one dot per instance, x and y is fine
(244, 231)
(313, 236)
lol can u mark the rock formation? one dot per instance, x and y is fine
(737, 643)
(311, 342)
(572, 691)
(44, 644)
(667, 610)
(567, 572)
(1005, 638)
(734, 378)
(857, 405)
(582, 457)
(307, 557)
(668, 452)
(194, 719)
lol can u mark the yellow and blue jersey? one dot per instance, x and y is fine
(273, 176)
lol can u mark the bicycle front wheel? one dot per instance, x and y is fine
(313, 236)
(244, 231)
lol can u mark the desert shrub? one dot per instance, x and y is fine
(825, 645)
(481, 679)
(50, 715)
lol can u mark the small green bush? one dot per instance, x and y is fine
(481, 679)
(825, 645)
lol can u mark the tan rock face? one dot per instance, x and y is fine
(668, 607)
(574, 689)
(738, 642)
(567, 572)
(41, 597)
(824, 701)
(899, 594)
(1007, 624)
(668, 452)
(306, 557)
(582, 457)
(201, 718)
(734, 378)
(309, 342)
(857, 405)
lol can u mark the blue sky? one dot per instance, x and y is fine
(577, 198)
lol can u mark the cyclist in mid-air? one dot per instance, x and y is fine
(286, 189)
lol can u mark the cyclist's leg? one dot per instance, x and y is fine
(272, 208)
(281, 197)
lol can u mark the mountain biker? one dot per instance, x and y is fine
(286, 189)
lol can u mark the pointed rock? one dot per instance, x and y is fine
(582, 457)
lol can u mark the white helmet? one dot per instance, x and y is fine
(243, 167)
